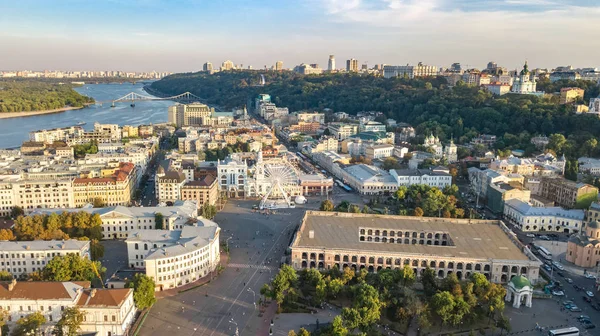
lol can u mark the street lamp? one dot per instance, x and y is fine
(227, 243)
(253, 297)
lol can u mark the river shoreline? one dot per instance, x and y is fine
(7, 115)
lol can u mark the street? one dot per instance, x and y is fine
(258, 242)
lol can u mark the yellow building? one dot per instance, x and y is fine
(583, 249)
(129, 131)
(204, 191)
(570, 94)
(114, 187)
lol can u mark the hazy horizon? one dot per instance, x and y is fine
(179, 36)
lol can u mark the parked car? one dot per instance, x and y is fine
(582, 318)
(587, 299)
(589, 325)
(558, 293)
(569, 280)
(575, 309)
(590, 294)
(590, 276)
(530, 235)
(547, 268)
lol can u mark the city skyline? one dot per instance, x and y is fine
(147, 35)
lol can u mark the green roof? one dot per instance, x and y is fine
(370, 135)
(520, 281)
(593, 225)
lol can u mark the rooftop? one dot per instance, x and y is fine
(43, 245)
(113, 297)
(41, 290)
(528, 210)
(478, 239)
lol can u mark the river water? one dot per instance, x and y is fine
(14, 131)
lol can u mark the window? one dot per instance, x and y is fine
(105, 318)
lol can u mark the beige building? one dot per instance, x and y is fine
(328, 240)
(129, 131)
(343, 131)
(584, 249)
(115, 187)
(195, 114)
(204, 191)
(570, 94)
(567, 193)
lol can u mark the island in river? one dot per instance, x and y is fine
(35, 97)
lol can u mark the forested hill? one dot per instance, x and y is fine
(462, 111)
(25, 96)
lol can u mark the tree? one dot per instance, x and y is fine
(326, 205)
(443, 305)
(407, 276)
(504, 324)
(209, 211)
(429, 282)
(390, 163)
(400, 194)
(159, 221)
(70, 322)
(96, 250)
(28, 323)
(303, 332)
(143, 291)
(71, 267)
(418, 212)
(292, 333)
(337, 327)
(7, 234)
(5, 276)
(99, 202)
(368, 305)
(354, 208)
(16, 211)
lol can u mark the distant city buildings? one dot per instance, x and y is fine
(308, 69)
(352, 65)
(409, 71)
(207, 67)
(570, 95)
(82, 74)
(331, 63)
(227, 65)
(278, 65)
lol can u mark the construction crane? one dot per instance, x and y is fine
(97, 274)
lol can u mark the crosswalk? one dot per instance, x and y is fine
(261, 267)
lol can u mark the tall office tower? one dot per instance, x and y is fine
(352, 65)
(331, 64)
(207, 67)
(227, 65)
(278, 65)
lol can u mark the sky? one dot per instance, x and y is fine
(180, 35)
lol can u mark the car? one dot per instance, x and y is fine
(575, 309)
(567, 302)
(590, 294)
(569, 280)
(577, 288)
(582, 318)
(547, 268)
(590, 276)
(587, 299)
(558, 293)
(530, 235)
(544, 237)
(589, 325)
(560, 273)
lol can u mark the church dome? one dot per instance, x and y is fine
(519, 282)
(593, 225)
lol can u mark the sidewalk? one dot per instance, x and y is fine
(197, 283)
(264, 321)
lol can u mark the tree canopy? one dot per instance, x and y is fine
(25, 96)
(143, 291)
(71, 267)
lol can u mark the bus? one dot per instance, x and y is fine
(545, 253)
(572, 331)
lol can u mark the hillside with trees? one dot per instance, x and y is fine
(27, 96)
(429, 104)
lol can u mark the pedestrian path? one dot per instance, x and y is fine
(261, 267)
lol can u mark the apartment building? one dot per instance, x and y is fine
(409, 71)
(379, 151)
(116, 186)
(568, 194)
(194, 114)
(106, 311)
(56, 134)
(24, 257)
(311, 117)
(343, 131)
(175, 258)
(168, 184)
(583, 249)
(202, 191)
(570, 94)
(327, 240)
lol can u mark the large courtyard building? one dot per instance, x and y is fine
(119, 221)
(24, 257)
(178, 257)
(327, 240)
(194, 114)
(529, 218)
(106, 311)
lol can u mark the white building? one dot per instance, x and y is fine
(343, 131)
(118, 221)
(432, 178)
(434, 143)
(24, 257)
(232, 177)
(370, 180)
(529, 218)
(379, 151)
(175, 258)
(168, 184)
(409, 71)
(372, 126)
(107, 311)
(451, 152)
(311, 117)
(589, 165)
(525, 83)
(56, 134)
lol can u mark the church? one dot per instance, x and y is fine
(439, 151)
(525, 82)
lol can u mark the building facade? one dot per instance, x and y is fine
(566, 193)
(583, 249)
(327, 240)
(529, 218)
(114, 189)
(175, 258)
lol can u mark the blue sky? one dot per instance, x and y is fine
(180, 35)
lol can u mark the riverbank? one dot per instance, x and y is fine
(7, 115)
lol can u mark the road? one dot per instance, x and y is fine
(216, 308)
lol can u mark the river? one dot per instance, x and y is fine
(14, 131)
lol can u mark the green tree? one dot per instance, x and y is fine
(443, 305)
(368, 305)
(96, 249)
(303, 332)
(70, 322)
(429, 282)
(354, 208)
(99, 202)
(418, 212)
(326, 205)
(143, 291)
(16, 211)
(504, 324)
(26, 324)
(5, 276)
(159, 221)
(209, 211)
(337, 327)
(71, 267)
(407, 276)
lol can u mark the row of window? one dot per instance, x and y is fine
(408, 234)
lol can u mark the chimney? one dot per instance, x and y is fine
(93, 292)
(12, 285)
(311, 234)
